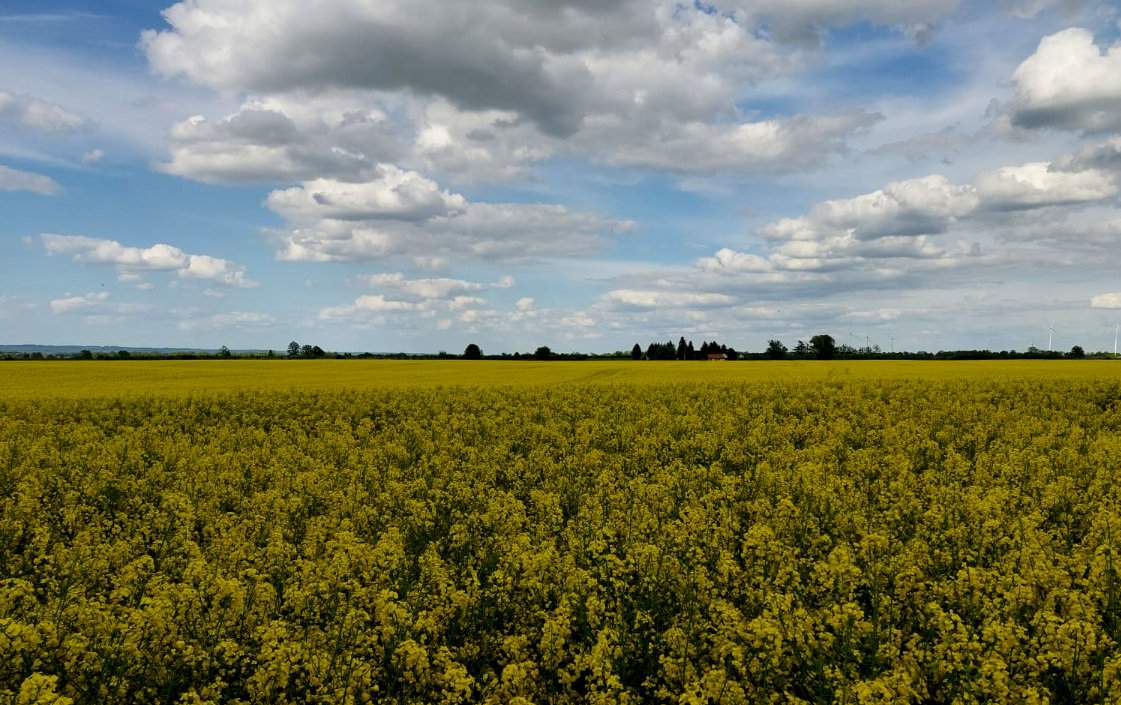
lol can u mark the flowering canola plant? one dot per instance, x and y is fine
(851, 542)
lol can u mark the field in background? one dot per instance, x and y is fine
(27, 380)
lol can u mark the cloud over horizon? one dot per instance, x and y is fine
(572, 172)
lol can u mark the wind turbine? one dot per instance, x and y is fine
(1050, 337)
(1116, 331)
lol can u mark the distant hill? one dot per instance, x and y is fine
(75, 349)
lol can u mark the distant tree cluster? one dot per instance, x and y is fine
(295, 350)
(684, 350)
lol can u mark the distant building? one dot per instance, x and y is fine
(712, 357)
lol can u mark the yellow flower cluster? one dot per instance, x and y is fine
(845, 542)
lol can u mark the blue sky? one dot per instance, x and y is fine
(419, 175)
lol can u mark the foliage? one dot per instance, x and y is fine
(472, 352)
(823, 346)
(776, 350)
(838, 542)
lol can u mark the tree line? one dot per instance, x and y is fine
(819, 347)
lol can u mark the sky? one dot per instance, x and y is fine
(415, 175)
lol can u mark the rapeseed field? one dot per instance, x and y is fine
(438, 532)
(37, 380)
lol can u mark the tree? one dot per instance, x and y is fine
(124, 354)
(801, 349)
(293, 349)
(317, 351)
(823, 346)
(1077, 352)
(224, 352)
(307, 350)
(682, 349)
(543, 353)
(636, 352)
(473, 352)
(690, 352)
(776, 350)
(86, 354)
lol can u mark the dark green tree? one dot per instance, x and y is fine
(682, 349)
(823, 346)
(224, 352)
(543, 353)
(1077, 352)
(636, 352)
(776, 350)
(472, 352)
(293, 349)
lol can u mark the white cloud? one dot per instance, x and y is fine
(71, 304)
(37, 114)
(1038, 184)
(1069, 83)
(233, 319)
(1028, 9)
(93, 156)
(805, 19)
(15, 180)
(160, 257)
(393, 195)
(495, 231)
(781, 144)
(283, 139)
(482, 89)
(1108, 301)
(428, 289)
(657, 299)
(1102, 155)
(370, 304)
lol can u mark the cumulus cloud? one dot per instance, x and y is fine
(431, 288)
(365, 306)
(805, 19)
(907, 227)
(657, 299)
(1108, 301)
(493, 87)
(889, 223)
(83, 302)
(284, 139)
(393, 195)
(500, 231)
(129, 261)
(1102, 155)
(16, 180)
(780, 144)
(36, 114)
(1038, 184)
(1069, 83)
(539, 60)
(223, 321)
